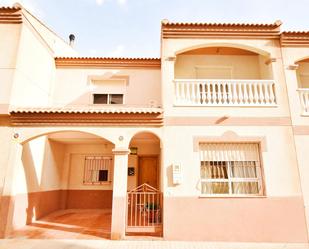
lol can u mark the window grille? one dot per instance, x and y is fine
(230, 169)
(97, 169)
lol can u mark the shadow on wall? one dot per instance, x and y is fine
(40, 170)
(29, 170)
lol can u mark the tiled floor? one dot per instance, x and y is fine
(69, 224)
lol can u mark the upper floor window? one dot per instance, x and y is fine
(230, 169)
(108, 91)
(99, 98)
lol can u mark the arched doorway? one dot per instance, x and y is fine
(63, 187)
(145, 203)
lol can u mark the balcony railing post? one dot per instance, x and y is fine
(304, 100)
(250, 86)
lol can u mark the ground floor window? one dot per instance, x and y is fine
(97, 169)
(230, 169)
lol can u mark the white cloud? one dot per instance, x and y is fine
(99, 2)
(119, 2)
(93, 51)
(122, 2)
(118, 51)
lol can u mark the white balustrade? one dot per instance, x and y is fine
(212, 92)
(304, 100)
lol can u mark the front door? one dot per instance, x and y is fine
(148, 171)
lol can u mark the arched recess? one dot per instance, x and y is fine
(223, 61)
(144, 198)
(302, 59)
(27, 135)
(144, 160)
(63, 173)
(302, 72)
(225, 44)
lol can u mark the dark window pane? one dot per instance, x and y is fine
(116, 99)
(218, 170)
(103, 175)
(99, 98)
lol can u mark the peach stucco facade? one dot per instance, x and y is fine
(49, 126)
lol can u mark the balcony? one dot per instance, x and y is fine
(304, 100)
(213, 92)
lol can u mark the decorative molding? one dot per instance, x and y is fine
(92, 78)
(171, 58)
(121, 151)
(5, 120)
(108, 62)
(10, 15)
(270, 60)
(220, 30)
(229, 136)
(292, 67)
(294, 39)
(227, 121)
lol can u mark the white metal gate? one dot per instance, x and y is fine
(144, 210)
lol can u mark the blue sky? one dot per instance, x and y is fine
(131, 28)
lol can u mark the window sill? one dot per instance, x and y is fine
(232, 196)
(99, 104)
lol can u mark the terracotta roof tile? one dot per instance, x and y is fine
(10, 15)
(108, 58)
(275, 24)
(9, 8)
(83, 110)
(294, 39)
(108, 62)
(230, 30)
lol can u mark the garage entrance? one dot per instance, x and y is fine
(64, 187)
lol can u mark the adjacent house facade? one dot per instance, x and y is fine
(209, 142)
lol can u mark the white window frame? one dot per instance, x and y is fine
(91, 169)
(259, 171)
(108, 98)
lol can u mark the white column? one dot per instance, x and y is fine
(168, 85)
(119, 193)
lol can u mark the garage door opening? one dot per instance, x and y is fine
(63, 188)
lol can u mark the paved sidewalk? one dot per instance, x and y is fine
(136, 244)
